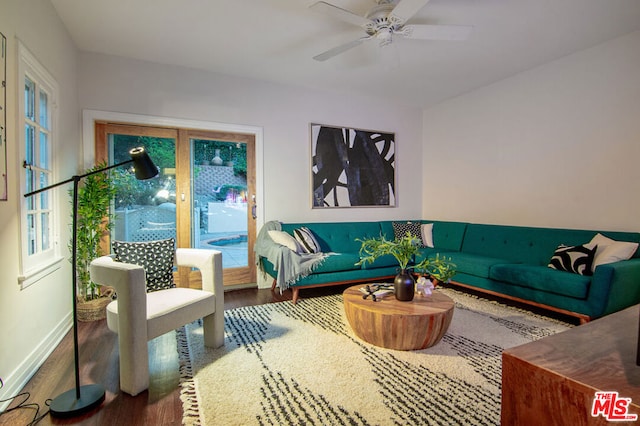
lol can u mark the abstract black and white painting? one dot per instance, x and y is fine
(352, 167)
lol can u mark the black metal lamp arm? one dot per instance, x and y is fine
(74, 178)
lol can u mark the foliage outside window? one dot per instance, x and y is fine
(131, 192)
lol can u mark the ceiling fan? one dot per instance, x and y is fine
(386, 20)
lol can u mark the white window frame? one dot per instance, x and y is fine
(34, 267)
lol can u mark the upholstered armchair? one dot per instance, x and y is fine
(138, 316)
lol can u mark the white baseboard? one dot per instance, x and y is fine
(17, 379)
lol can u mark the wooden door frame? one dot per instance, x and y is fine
(89, 117)
(232, 276)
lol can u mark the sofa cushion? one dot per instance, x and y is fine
(306, 240)
(543, 279)
(285, 239)
(337, 262)
(520, 244)
(400, 230)
(426, 230)
(382, 262)
(447, 236)
(575, 259)
(610, 251)
(339, 237)
(473, 264)
(156, 257)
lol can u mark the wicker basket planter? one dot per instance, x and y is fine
(96, 309)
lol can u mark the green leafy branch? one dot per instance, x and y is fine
(440, 267)
(403, 249)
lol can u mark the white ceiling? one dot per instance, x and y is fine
(275, 40)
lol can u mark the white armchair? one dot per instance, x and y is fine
(138, 316)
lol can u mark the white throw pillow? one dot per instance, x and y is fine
(610, 251)
(285, 239)
(427, 234)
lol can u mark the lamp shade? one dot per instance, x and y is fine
(142, 164)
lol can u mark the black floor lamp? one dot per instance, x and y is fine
(84, 398)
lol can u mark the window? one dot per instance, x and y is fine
(40, 254)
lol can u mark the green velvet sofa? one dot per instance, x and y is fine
(509, 261)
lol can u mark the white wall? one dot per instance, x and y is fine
(34, 319)
(284, 113)
(558, 145)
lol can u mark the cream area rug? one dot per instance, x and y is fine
(285, 364)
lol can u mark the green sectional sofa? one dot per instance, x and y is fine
(509, 261)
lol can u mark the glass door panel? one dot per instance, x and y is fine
(219, 194)
(145, 210)
(222, 184)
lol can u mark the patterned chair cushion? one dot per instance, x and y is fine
(156, 257)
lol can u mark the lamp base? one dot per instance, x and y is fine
(67, 405)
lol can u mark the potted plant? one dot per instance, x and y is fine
(438, 269)
(403, 250)
(95, 193)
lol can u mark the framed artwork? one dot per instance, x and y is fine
(352, 167)
(3, 117)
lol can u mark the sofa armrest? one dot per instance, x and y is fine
(618, 283)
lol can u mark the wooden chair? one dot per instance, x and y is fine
(138, 316)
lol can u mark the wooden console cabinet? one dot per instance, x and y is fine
(553, 381)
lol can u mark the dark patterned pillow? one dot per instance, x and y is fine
(306, 239)
(576, 259)
(400, 230)
(156, 257)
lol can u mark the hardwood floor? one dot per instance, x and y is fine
(159, 405)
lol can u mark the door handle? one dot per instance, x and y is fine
(254, 207)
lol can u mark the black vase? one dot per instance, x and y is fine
(404, 286)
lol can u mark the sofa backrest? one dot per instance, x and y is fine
(448, 235)
(338, 236)
(529, 244)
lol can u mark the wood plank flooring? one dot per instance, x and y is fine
(159, 405)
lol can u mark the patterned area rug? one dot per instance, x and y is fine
(301, 364)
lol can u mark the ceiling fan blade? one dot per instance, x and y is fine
(342, 14)
(339, 49)
(437, 32)
(406, 9)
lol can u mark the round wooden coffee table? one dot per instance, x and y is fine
(392, 324)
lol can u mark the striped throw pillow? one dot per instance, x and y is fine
(307, 241)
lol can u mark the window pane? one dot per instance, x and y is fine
(45, 231)
(29, 99)
(31, 234)
(29, 143)
(44, 196)
(44, 110)
(145, 210)
(44, 150)
(29, 180)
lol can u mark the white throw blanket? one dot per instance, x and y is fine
(290, 266)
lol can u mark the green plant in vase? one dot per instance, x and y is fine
(439, 268)
(403, 250)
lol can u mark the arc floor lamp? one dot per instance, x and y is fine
(85, 398)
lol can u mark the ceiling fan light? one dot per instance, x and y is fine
(384, 35)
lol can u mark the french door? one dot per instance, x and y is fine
(204, 195)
